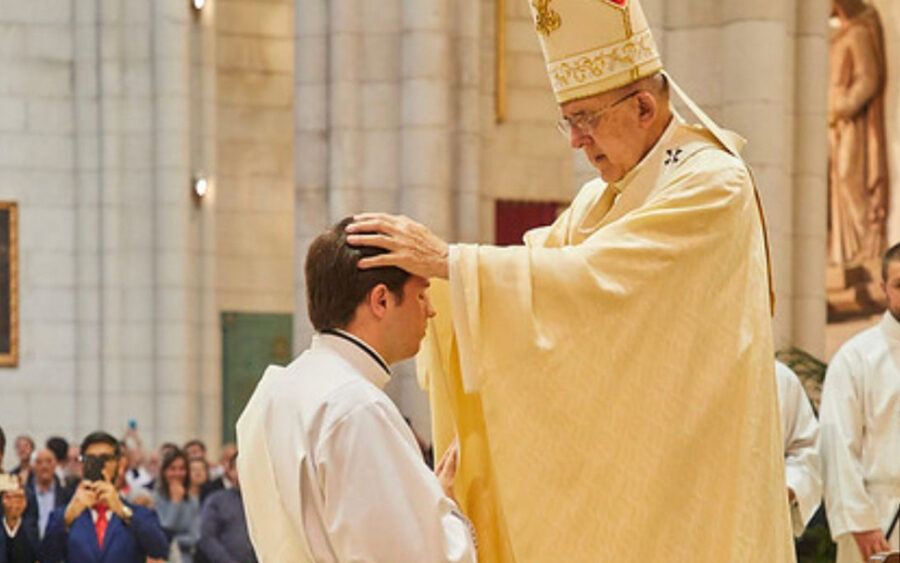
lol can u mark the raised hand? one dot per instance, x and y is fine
(176, 490)
(870, 543)
(84, 498)
(108, 495)
(445, 470)
(411, 246)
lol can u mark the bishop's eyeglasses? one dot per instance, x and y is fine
(585, 122)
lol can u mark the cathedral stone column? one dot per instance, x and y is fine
(311, 151)
(345, 107)
(467, 70)
(426, 115)
(145, 327)
(87, 110)
(810, 175)
(757, 43)
(380, 92)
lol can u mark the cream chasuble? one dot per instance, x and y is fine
(621, 400)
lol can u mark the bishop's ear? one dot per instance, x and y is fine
(647, 107)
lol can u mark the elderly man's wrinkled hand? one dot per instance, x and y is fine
(411, 246)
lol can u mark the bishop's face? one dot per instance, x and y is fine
(608, 130)
(891, 287)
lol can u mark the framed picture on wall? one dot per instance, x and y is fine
(9, 284)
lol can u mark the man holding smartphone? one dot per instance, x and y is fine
(97, 525)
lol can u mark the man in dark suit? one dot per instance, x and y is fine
(24, 449)
(18, 542)
(97, 525)
(222, 482)
(44, 493)
(223, 525)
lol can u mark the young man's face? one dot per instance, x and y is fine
(891, 287)
(409, 318)
(14, 502)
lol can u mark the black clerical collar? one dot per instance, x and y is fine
(361, 345)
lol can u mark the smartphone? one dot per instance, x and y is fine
(93, 468)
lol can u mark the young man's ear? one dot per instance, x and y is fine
(378, 300)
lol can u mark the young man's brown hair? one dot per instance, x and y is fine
(892, 255)
(335, 286)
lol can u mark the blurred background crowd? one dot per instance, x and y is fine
(195, 499)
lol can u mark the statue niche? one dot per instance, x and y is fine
(858, 172)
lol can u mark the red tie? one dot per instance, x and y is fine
(101, 523)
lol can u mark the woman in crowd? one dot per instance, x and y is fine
(198, 475)
(179, 514)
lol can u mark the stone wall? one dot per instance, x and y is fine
(37, 169)
(100, 138)
(254, 113)
(524, 157)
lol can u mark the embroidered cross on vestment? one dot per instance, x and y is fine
(672, 156)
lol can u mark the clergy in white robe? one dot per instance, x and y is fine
(330, 471)
(860, 442)
(802, 465)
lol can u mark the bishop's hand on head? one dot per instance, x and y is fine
(410, 246)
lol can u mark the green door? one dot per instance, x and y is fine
(250, 342)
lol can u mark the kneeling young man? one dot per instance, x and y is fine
(329, 469)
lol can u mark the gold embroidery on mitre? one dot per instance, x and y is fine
(601, 63)
(547, 20)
